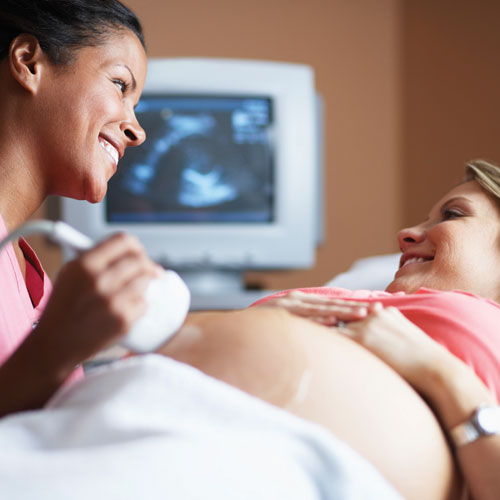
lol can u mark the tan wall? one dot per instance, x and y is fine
(410, 88)
(451, 83)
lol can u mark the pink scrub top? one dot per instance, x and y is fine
(465, 324)
(21, 301)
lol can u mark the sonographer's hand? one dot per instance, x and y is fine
(96, 298)
(324, 310)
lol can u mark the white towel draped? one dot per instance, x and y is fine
(151, 428)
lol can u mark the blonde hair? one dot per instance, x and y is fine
(486, 174)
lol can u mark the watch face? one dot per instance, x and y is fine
(488, 419)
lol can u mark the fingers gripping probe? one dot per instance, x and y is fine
(167, 297)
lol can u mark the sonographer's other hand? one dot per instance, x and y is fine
(324, 310)
(96, 298)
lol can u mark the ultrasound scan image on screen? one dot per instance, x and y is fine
(207, 159)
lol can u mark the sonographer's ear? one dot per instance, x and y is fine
(26, 59)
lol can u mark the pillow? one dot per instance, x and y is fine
(369, 273)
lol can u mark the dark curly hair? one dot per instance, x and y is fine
(64, 26)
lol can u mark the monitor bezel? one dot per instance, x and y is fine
(288, 242)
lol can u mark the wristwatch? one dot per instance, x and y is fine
(485, 421)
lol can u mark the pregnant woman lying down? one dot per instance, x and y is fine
(393, 397)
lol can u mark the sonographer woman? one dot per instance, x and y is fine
(71, 73)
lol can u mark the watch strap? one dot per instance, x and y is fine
(475, 426)
(464, 433)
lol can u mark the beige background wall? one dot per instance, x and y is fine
(451, 94)
(410, 89)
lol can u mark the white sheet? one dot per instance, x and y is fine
(153, 428)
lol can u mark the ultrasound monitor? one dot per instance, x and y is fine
(227, 180)
(208, 159)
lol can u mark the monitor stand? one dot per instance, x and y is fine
(219, 289)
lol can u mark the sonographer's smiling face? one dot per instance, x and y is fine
(456, 248)
(90, 118)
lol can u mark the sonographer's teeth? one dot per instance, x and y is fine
(110, 149)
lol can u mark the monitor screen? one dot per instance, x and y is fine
(208, 159)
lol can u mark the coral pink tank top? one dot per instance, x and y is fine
(465, 324)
